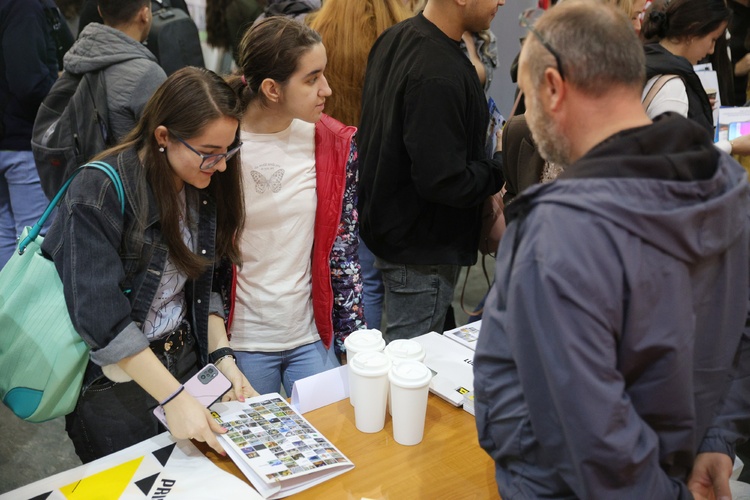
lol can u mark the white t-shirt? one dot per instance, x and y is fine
(671, 97)
(273, 306)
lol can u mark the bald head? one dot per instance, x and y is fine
(596, 43)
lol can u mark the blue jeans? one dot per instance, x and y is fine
(267, 370)
(372, 285)
(416, 297)
(22, 200)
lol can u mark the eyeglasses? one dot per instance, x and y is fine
(208, 161)
(527, 19)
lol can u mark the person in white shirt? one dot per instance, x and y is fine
(678, 34)
(298, 293)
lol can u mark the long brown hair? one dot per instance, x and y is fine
(188, 101)
(270, 49)
(349, 29)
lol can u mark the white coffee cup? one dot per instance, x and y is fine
(401, 350)
(362, 341)
(368, 381)
(410, 384)
(405, 349)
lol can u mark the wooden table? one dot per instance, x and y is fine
(448, 463)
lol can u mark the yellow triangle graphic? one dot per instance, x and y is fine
(105, 485)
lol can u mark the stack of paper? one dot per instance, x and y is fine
(469, 402)
(452, 365)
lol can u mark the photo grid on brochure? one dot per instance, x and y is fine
(276, 441)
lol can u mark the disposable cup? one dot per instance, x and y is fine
(410, 384)
(362, 341)
(369, 384)
(405, 349)
(401, 350)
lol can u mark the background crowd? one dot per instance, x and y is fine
(337, 151)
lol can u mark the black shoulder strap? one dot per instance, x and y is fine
(97, 90)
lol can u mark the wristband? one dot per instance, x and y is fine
(173, 395)
(216, 363)
(219, 353)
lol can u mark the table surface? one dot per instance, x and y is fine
(448, 463)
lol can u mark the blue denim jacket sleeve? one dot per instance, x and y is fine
(84, 241)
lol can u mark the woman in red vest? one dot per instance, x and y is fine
(298, 293)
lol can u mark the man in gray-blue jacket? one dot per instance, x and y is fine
(613, 360)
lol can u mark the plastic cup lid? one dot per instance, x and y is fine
(370, 363)
(402, 349)
(365, 340)
(410, 374)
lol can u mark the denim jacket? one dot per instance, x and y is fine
(111, 274)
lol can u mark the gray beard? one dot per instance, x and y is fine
(551, 171)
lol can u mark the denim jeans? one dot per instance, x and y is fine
(372, 285)
(416, 297)
(267, 370)
(111, 416)
(22, 200)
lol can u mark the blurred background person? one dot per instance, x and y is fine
(294, 9)
(32, 46)
(226, 22)
(739, 44)
(349, 29)
(678, 34)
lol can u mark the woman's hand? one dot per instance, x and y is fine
(241, 388)
(188, 419)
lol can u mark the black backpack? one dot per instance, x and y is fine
(71, 126)
(174, 38)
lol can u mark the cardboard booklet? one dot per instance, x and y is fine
(275, 447)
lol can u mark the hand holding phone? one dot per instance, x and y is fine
(207, 386)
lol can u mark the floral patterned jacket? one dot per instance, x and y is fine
(336, 280)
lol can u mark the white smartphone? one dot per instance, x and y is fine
(207, 386)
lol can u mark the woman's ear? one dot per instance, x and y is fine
(161, 134)
(271, 89)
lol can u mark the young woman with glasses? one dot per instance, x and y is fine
(139, 286)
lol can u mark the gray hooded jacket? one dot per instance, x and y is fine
(613, 347)
(131, 72)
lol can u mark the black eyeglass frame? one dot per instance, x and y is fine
(524, 21)
(213, 158)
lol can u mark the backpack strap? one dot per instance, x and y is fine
(99, 165)
(655, 88)
(97, 91)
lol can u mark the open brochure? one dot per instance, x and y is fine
(276, 447)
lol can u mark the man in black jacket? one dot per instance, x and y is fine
(423, 170)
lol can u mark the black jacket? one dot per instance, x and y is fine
(28, 68)
(423, 170)
(659, 61)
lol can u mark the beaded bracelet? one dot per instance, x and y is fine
(172, 396)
